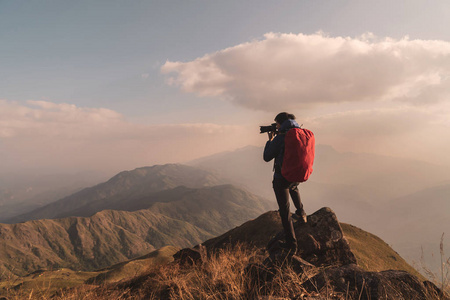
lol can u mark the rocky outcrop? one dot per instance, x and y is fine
(324, 255)
(320, 241)
(359, 284)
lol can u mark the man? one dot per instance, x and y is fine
(274, 149)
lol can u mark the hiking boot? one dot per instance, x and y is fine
(300, 215)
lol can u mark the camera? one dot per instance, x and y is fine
(272, 127)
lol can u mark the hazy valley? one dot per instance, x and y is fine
(97, 230)
(23, 192)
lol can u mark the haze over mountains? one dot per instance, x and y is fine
(403, 201)
(373, 175)
(421, 218)
(158, 212)
(128, 190)
(21, 193)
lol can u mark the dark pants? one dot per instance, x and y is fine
(283, 189)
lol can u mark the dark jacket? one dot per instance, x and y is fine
(275, 148)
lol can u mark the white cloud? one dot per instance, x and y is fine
(301, 71)
(56, 136)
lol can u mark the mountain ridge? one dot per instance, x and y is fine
(111, 236)
(120, 190)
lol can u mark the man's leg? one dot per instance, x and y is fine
(281, 189)
(295, 195)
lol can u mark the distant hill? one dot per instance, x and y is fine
(212, 208)
(122, 190)
(179, 217)
(369, 176)
(356, 185)
(422, 218)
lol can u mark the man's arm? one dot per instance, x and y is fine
(272, 148)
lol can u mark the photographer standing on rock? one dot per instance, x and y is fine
(275, 149)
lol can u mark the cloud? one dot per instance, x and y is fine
(60, 136)
(46, 119)
(313, 70)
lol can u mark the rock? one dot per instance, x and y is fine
(323, 253)
(320, 241)
(190, 256)
(353, 281)
(299, 265)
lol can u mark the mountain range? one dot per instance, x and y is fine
(128, 190)
(98, 234)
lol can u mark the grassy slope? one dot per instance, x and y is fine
(372, 253)
(135, 266)
(49, 281)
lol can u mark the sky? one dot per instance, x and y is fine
(115, 85)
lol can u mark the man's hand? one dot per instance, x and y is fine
(271, 135)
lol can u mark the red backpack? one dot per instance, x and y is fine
(299, 148)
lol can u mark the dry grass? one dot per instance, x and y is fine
(224, 275)
(220, 276)
(442, 280)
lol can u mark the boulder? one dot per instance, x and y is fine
(320, 241)
(356, 283)
(324, 261)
